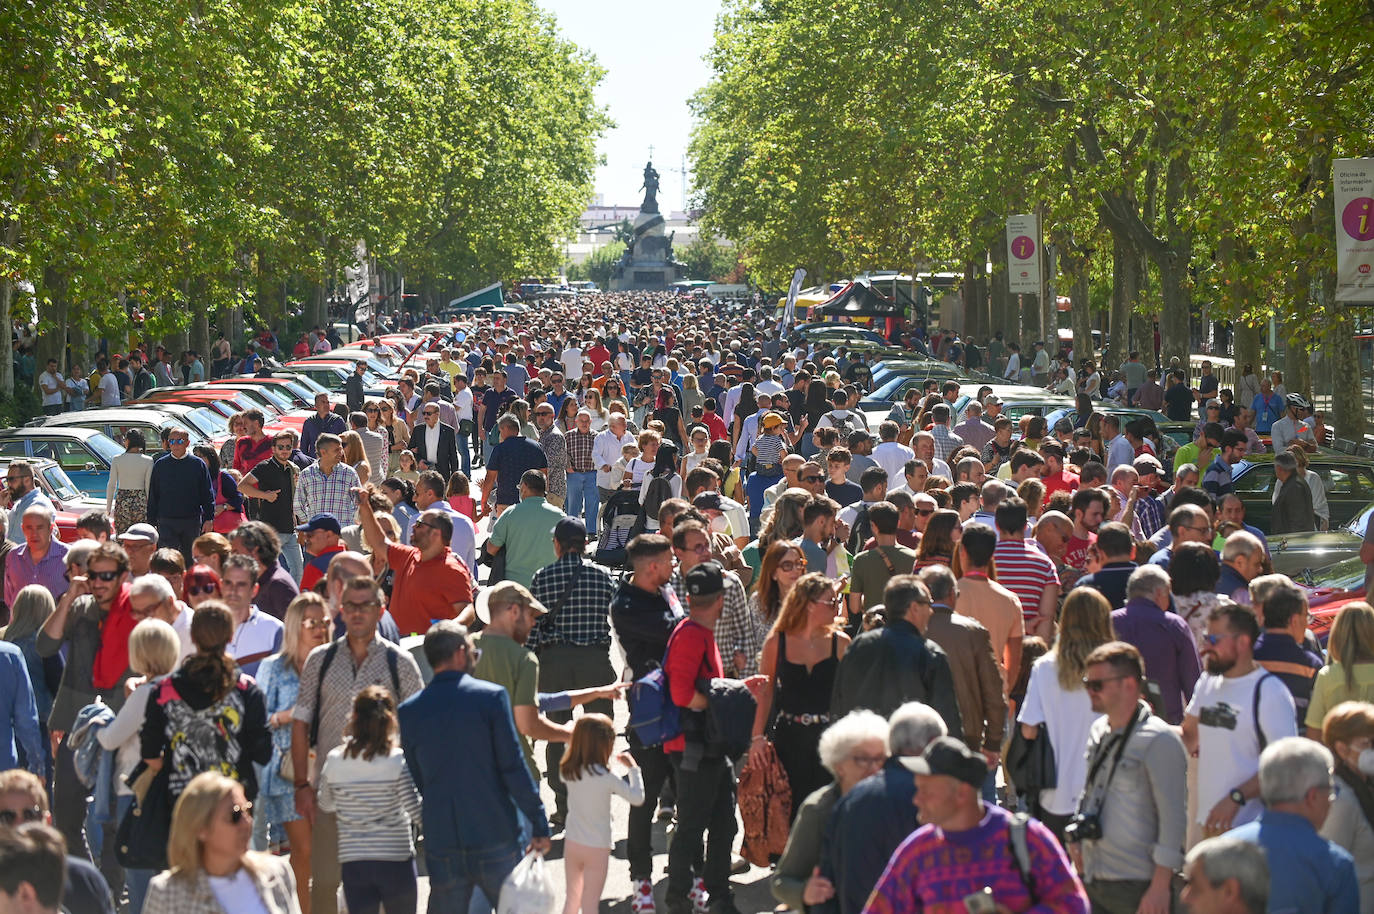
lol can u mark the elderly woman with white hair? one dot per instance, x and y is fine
(851, 749)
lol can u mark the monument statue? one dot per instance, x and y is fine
(648, 259)
(650, 188)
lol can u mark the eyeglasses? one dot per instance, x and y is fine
(105, 576)
(17, 478)
(348, 607)
(787, 566)
(1096, 685)
(29, 814)
(176, 441)
(1215, 639)
(868, 761)
(200, 590)
(237, 813)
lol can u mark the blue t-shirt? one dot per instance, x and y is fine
(510, 459)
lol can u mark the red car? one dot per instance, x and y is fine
(1329, 589)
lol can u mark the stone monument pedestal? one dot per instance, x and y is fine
(648, 261)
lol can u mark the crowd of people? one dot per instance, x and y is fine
(951, 662)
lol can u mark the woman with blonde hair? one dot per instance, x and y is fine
(210, 549)
(593, 405)
(1056, 699)
(691, 394)
(355, 456)
(210, 868)
(31, 608)
(1032, 492)
(154, 649)
(800, 657)
(1349, 674)
(1348, 731)
(305, 627)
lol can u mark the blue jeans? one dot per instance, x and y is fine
(583, 499)
(371, 885)
(291, 553)
(755, 486)
(453, 874)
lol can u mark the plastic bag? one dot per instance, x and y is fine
(529, 888)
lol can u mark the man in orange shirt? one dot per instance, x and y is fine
(431, 582)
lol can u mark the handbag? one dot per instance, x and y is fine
(141, 840)
(1031, 766)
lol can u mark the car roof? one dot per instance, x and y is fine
(39, 431)
(114, 414)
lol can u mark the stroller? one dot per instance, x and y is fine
(619, 520)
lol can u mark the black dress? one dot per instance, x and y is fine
(801, 699)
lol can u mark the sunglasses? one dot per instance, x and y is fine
(237, 813)
(811, 478)
(370, 409)
(200, 590)
(924, 512)
(30, 814)
(281, 447)
(105, 576)
(177, 441)
(309, 624)
(17, 478)
(1096, 685)
(1215, 639)
(348, 607)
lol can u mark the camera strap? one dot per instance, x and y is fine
(1141, 714)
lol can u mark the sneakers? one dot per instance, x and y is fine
(700, 898)
(643, 900)
(666, 811)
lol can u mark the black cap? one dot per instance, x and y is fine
(708, 501)
(705, 580)
(570, 530)
(950, 757)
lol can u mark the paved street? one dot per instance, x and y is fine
(751, 889)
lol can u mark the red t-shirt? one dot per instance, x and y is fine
(692, 655)
(598, 354)
(1064, 481)
(425, 591)
(716, 426)
(1077, 554)
(248, 453)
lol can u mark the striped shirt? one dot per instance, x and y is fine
(376, 803)
(1026, 572)
(770, 449)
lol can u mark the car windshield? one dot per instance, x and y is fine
(61, 484)
(208, 422)
(1360, 522)
(308, 384)
(1347, 575)
(104, 446)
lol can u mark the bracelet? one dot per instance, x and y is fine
(301, 785)
(760, 736)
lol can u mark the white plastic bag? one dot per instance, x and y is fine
(529, 888)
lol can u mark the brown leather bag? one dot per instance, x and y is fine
(765, 806)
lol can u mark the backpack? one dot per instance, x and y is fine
(843, 425)
(765, 808)
(653, 716)
(1254, 709)
(1019, 846)
(659, 491)
(863, 529)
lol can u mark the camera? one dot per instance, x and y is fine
(1084, 827)
(1222, 716)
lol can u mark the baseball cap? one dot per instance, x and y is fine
(708, 501)
(570, 530)
(504, 594)
(705, 580)
(949, 757)
(771, 420)
(139, 533)
(320, 522)
(992, 400)
(1146, 463)
(859, 435)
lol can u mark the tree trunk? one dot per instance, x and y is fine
(6, 332)
(1347, 398)
(980, 302)
(1076, 275)
(973, 323)
(1002, 313)
(52, 335)
(1177, 306)
(196, 297)
(1245, 345)
(1125, 293)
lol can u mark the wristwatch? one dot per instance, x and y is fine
(1237, 797)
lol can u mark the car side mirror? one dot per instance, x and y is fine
(90, 467)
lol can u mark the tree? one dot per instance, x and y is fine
(706, 258)
(599, 265)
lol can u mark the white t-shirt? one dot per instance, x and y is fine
(263, 633)
(572, 363)
(237, 893)
(109, 389)
(1069, 718)
(55, 381)
(892, 457)
(1228, 747)
(462, 402)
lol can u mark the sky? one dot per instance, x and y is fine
(653, 54)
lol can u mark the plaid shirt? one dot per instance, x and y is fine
(317, 493)
(734, 631)
(580, 445)
(584, 616)
(1150, 512)
(946, 442)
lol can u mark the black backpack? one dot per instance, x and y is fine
(861, 532)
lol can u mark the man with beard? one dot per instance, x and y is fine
(1237, 709)
(1089, 509)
